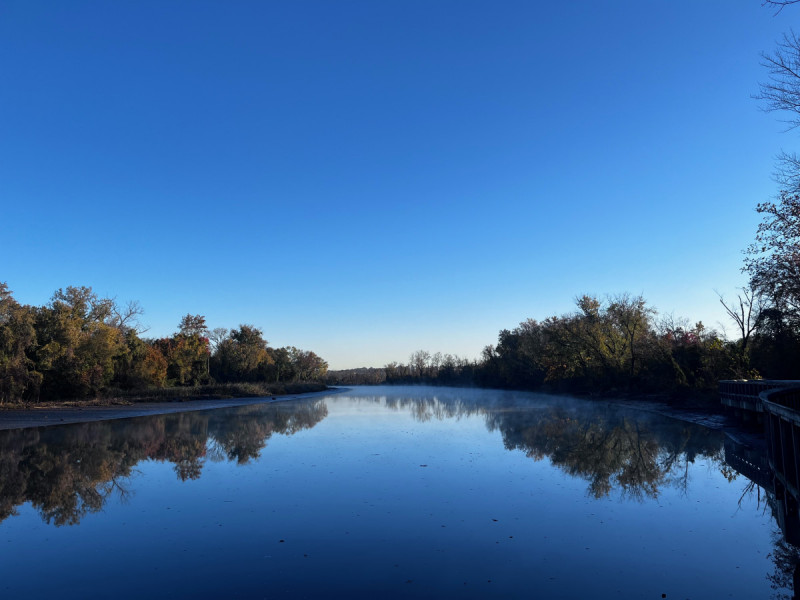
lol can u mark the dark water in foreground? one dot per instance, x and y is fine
(386, 492)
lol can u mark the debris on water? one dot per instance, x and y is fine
(281, 541)
(423, 465)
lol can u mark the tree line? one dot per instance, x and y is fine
(80, 345)
(422, 368)
(616, 343)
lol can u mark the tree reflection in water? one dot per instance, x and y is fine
(67, 472)
(614, 449)
(611, 449)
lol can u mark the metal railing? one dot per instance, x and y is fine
(788, 397)
(745, 393)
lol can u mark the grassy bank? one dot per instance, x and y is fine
(179, 394)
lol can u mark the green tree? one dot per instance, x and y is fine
(19, 379)
(307, 365)
(282, 367)
(632, 320)
(243, 355)
(77, 348)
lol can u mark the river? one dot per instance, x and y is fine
(388, 492)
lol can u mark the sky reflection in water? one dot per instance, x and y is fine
(384, 491)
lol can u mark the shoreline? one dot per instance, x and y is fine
(740, 432)
(54, 416)
(51, 416)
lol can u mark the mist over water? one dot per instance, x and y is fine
(390, 491)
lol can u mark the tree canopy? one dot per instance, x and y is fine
(80, 345)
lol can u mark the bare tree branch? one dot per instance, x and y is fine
(126, 318)
(778, 4)
(745, 311)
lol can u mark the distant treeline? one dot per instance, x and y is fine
(615, 344)
(422, 367)
(82, 346)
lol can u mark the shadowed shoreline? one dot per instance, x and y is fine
(23, 419)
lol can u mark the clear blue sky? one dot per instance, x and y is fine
(367, 178)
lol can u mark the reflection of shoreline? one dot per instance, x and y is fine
(67, 472)
(616, 449)
(24, 419)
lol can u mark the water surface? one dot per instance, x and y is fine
(397, 492)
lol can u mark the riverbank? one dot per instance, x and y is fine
(212, 397)
(749, 434)
(216, 391)
(48, 415)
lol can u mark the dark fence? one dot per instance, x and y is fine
(745, 393)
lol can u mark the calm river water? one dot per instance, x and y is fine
(386, 492)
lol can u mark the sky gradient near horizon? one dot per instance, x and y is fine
(364, 179)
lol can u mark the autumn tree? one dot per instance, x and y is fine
(307, 365)
(242, 355)
(19, 378)
(142, 366)
(77, 347)
(281, 367)
(193, 325)
(631, 317)
(605, 344)
(187, 352)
